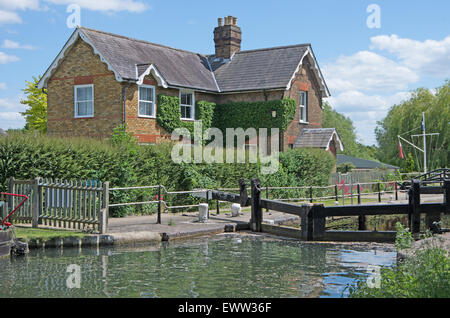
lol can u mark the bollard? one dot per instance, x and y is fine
(235, 209)
(203, 212)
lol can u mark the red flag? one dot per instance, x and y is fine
(400, 148)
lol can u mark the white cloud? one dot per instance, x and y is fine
(7, 17)
(8, 44)
(19, 4)
(429, 57)
(5, 58)
(106, 5)
(367, 71)
(2, 86)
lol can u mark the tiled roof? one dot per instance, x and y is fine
(270, 68)
(259, 69)
(178, 67)
(360, 163)
(316, 138)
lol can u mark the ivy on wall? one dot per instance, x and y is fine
(168, 114)
(231, 115)
(255, 114)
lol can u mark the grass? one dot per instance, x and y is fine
(26, 233)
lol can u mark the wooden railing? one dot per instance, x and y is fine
(62, 203)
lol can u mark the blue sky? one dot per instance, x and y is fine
(367, 69)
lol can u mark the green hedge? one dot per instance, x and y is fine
(255, 114)
(26, 155)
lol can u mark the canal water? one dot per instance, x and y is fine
(228, 266)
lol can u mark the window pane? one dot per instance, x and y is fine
(186, 98)
(145, 108)
(146, 94)
(183, 111)
(188, 112)
(303, 113)
(85, 108)
(84, 93)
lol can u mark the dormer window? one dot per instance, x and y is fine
(84, 101)
(303, 107)
(187, 105)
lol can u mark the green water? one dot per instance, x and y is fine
(223, 266)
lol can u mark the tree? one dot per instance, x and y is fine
(36, 100)
(346, 130)
(407, 118)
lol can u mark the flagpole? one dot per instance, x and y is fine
(424, 144)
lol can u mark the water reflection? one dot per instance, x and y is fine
(226, 266)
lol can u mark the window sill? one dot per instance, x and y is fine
(143, 116)
(303, 122)
(84, 117)
(187, 119)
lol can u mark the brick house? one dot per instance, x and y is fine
(100, 80)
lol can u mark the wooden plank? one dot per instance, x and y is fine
(355, 210)
(288, 208)
(431, 190)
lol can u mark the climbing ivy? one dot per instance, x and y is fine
(169, 114)
(255, 114)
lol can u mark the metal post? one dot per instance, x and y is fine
(447, 195)
(351, 193)
(336, 192)
(218, 207)
(207, 201)
(359, 193)
(159, 205)
(267, 196)
(310, 194)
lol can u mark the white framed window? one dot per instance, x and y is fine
(84, 100)
(187, 105)
(303, 106)
(146, 97)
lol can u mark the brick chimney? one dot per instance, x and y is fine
(227, 37)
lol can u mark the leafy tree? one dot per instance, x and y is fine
(346, 130)
(36, 100)
(407, 117)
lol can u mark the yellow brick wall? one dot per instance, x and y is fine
(81, 65)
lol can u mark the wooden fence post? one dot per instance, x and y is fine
(318, 222)
(336, 192)
(256, 219)
(414, 206)
(310, 194)
(447, 195)
(379, 192)
(35, 203)
(243, 192)
(104, 215)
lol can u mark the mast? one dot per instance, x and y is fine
(424, 144)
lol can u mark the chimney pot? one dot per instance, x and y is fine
(234, 21)
(227, 37)
(219, 21)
